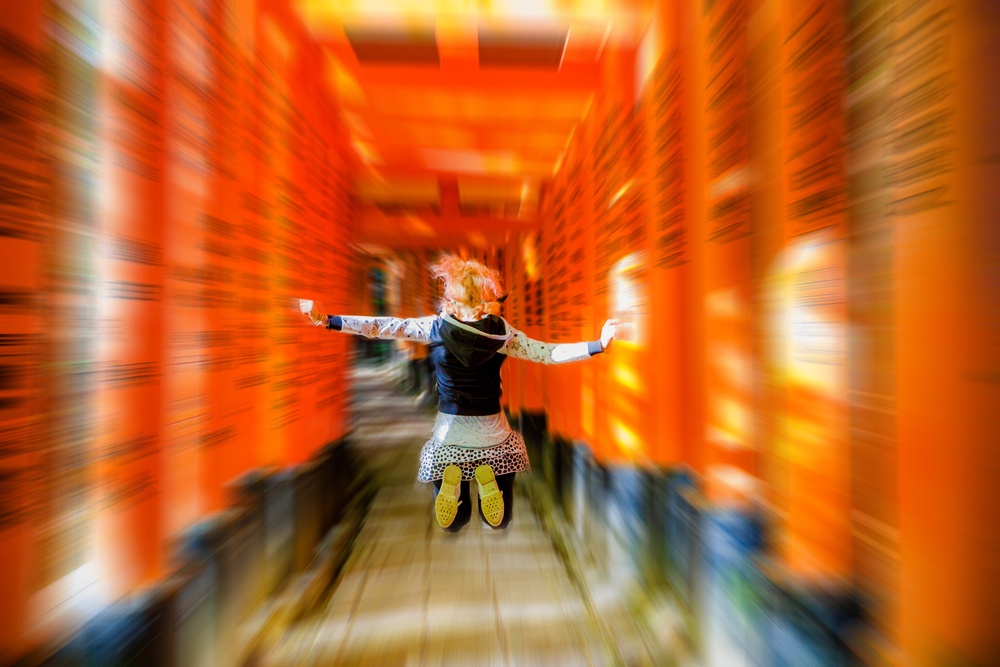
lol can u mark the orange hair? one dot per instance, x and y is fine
(471, 289)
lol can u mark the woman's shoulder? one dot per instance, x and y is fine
(500, 324)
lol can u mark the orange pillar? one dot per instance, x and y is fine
(335, 276)
(618, 393)
(729, 443)
(590, 312)
(718, 328)
(553, 219)
(242, 397)
(942, 147)
(690, 51)
(64, 444)
(767, 244)
(226, 453)
(668, 259)
(275, 51)
(256, 216)
(818, 533)
(306, 252)
(23, 171)
(633, 417)
(874, 465)
(581, 323)
(185, 283)
(128, 522)
(565, 238)
(531, 282)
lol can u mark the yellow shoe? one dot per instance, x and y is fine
(489, 495)
(447, 502)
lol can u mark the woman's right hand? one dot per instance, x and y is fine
(608, 333)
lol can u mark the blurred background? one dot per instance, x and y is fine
(790, 457)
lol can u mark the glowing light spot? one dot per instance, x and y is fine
(530, 257)
(621, 193)
(625, 438)
(629, 378)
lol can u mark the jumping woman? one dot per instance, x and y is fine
(468, 342)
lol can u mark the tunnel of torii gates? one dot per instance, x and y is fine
(790, 204)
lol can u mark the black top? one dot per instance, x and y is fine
(467, 366)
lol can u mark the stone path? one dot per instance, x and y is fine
(411, 594)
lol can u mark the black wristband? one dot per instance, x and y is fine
(594, 347)
(334, 322)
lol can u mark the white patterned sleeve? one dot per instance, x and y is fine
(411, 328)
(519, 346)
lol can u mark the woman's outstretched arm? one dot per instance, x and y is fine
(519, 346)
(410, 328)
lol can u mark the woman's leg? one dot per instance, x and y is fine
(464, 512)
(506, 485)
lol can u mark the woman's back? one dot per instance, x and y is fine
(467, 364)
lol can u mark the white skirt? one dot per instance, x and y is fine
(469, 442)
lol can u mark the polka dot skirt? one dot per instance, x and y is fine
(506, 457)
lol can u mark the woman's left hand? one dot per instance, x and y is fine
(311, 310)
